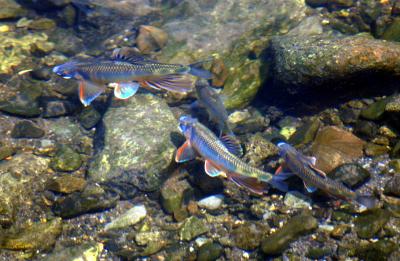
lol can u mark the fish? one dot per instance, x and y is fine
(126, 73)
(209, 99)
(221, 157)
(296, 163)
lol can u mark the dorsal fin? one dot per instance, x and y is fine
(129, 55)
(232, 144)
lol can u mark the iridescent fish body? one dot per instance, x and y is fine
(126, 74)
(208, 98)
(304, 167)
(221, 156)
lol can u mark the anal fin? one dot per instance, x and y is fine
(124, 90)
(212, 170)
(88, 91)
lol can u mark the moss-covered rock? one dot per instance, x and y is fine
(10, 9)
(36, 236)
(209, 251)
(89, 117)
(306, 132)
(92, 199)
(392, 33)
(192, 227)
(375, 110)
(26, 129)
(351, 174)
(173, 192)
(88, 251)
(137, 142)
(66, 159)
(15, 50)
(129, 218)
(248, 235)
(392, 187)
(303, 62)
(42, 24)
(370, 223)
(66, 184)
(379, 250)
(294, 228)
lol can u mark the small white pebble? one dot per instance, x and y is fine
(212, 202)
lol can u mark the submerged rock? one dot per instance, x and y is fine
(294, 228)
(295, 199)
(212, 202)
(258, 148)
(92, 199)
(129, 218)
(392, 187)
(150, 39)
(10, 9)
(66, 184)
(192, 227)
(173, 192)
(248, 236)
(209, 251)
(351, 174)
(379, 250)
(315, 60)
(88, 251)
(333, 147)
(27, 129)
(37, 236)
(66, 159)
(370, 223)
(137, 142)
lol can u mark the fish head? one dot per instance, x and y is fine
(186, 124)
(67, 70)
(284, 148)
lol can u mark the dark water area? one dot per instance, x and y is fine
(152, 129)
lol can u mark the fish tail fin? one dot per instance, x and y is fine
(279, 185)
(367, 201)
(196, 70)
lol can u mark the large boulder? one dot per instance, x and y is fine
(304, 61)
(137, 142)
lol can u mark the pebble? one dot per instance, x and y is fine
(211, 202)
(295, 199)
(129, 218)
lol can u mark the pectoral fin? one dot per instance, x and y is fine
(212, 170)
(185, 153)
(318, 171)
(309, 188)
(88, 91)
(124, 90)
(249, 183)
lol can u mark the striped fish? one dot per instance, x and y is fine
(126, 73)
(313, 178)
(221, 156)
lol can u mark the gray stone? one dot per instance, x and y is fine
(137, 142)
(129, 218)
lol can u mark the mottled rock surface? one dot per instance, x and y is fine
(316, 60)
(137, 142)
